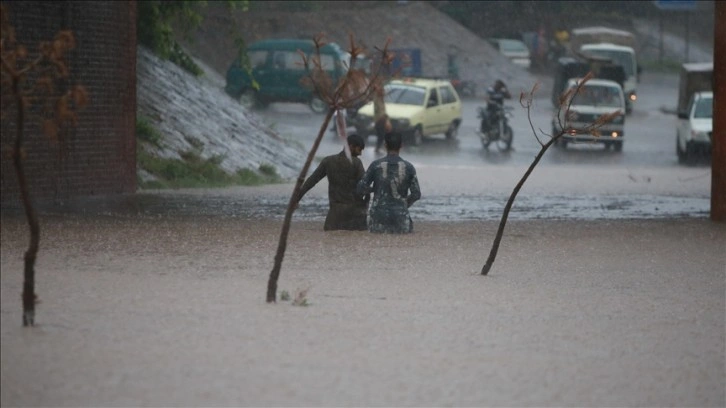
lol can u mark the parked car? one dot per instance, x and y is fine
(277, 73)
(695, 128)
(596, 98)
(515, 50)
(417, 108)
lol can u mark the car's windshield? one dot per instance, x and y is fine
(704, 109)
(594, 95)
(405, 94)
(623, 58)
(512, 46)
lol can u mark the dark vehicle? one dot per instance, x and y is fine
(694, 77)
(277, 73)
(568, 68)
(494, 123)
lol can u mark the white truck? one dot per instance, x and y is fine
(694, 130)
(616, 45)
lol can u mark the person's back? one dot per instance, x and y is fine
(395, 188)
(347, 209)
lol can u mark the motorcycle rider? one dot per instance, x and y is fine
(496, 94)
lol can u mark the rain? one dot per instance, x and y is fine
(608, 289)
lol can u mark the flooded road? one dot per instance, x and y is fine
(461, 181)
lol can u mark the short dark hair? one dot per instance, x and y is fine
(356, 140)
(393, 140)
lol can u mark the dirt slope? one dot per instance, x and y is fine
(412, 25)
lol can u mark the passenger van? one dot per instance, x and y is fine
(277, 72)
(597, 97)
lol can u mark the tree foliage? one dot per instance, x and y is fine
(157, 19)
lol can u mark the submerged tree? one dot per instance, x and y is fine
(565, 127)
(30, 93)
(355, 87)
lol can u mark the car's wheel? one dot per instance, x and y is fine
(618, 146)
(453, 131)
(248, 99)
(417, 136)
(317, 105)
(691, 153)
(679, 152)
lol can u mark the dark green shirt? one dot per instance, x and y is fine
(347, 209)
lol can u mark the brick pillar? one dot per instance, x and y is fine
(718, 156)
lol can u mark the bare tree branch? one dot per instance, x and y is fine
(565, 104)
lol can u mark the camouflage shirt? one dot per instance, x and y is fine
(395, 188)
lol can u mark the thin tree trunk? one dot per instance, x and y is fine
(505, 214)
(282, 245)
(32, 252)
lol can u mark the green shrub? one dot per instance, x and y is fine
(192, 171)
(147, 132)
(268, 170)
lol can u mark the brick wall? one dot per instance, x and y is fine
(98, 157)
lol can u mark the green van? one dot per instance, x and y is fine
(278, 70)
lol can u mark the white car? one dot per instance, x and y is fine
(695, 128)
(515, 50)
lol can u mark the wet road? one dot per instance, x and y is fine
(461, 181)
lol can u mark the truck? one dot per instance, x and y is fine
(694, 77)
(618, 46)
(694, 131)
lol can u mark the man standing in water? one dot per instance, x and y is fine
(395, 188)
(347, 209)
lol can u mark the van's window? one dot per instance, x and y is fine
(258, 59)
(327, 63)
(287, 60)
(405, 95)
(446, 95)
(704, 109)
(598, 96)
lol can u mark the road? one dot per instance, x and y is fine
(462, 180)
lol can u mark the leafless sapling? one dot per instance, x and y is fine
(564, 122)
(30, 93)
(355, 87)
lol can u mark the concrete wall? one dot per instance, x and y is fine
(97, 157)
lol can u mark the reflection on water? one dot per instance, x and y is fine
(431, 208)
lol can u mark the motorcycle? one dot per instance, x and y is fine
(494, 126)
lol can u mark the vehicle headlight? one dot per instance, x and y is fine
(632, 97)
